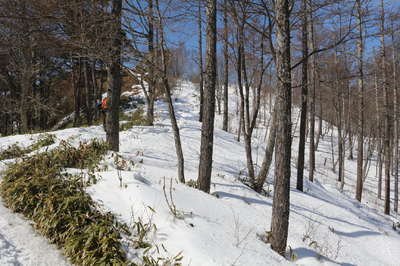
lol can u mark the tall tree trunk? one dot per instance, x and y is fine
(349, 120)
(387, 148)
(378, 135)
(200, 43)
(281, 202)
(339, 119)
(207, 128)
(360, 121)
(114, 79)
(218, 95)
(89, 93)
(342, 139)
(175, 128)
(151, 64)
(76, 82)
(26, 85)
(171, 110)
(381, 158)
(396, 125)
(320, 116)
(304, 97)
(245, 103)
(248, 123)
(23, 110)
(313, 145)
(226, 68)
(95, 91)
(240, 81)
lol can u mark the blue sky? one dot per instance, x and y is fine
(188, 31)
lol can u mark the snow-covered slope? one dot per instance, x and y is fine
(326, 227)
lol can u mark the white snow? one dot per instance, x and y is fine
(20, 245)
(222, 228)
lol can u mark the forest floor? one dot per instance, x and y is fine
(327, 226)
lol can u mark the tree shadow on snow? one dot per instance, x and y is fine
(247, 200)
(357, 233)
(302, 253)
(300, 211)
(9, 251)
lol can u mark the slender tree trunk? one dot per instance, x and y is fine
(89, 93)
(332, 151)
(339, 116)
(175, 128)
(360, 124)
(114, 79)
(387, 148)
(95, 91)
(240, 82)
(171, 110)
(25, 84)
(342, 140)
(207, 129)
(240, 129)
(281, 202)
(200, 43)
(381, 159)
(151, 64)
(218, 96)
(320, 118)
(349, 121)
(304, 97)
(269, 152)
(312, 105)
(378, 135)
(246, 124)
(396, 125)
(226, 69)
(76, 82)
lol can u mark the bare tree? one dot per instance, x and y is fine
(304, 97)
(200, 52)
(396, 123)
(248, 119)
(280, 205)
(313, 142)
(151, 84)
(360, 124)
(114, 78)
(207, 128)
(171, 110)
(385, 86)
(226, 68)
(139, 23)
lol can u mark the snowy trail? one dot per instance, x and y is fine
(20, 245)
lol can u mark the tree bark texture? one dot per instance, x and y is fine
(207, 128)
(280, 205)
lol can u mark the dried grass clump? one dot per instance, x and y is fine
(43, 141)
(16, 151)
(12, 151)
(59, 206)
